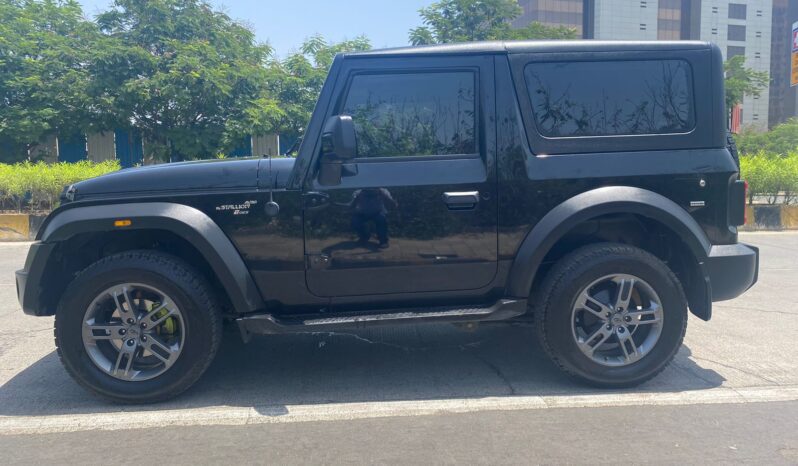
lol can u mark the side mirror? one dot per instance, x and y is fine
(338, 138)
(338, 144)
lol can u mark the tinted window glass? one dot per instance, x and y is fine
(413, 114)
(611, 98)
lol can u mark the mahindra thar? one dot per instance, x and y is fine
(589, 188)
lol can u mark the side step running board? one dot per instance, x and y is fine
(503, 309)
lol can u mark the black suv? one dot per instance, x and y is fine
(589, 187)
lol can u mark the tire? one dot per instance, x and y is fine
(164, 360)
(566, 320)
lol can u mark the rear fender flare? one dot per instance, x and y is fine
(187, 222)
(591, 204)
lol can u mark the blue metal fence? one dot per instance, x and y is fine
(72, 148)
(243, 148)
(129, 148)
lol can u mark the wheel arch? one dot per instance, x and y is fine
(536, 247)
(184, 222)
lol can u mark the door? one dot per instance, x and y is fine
(416, 209)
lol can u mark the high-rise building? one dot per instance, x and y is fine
(739, 27)
(783, 97)
(742, 29)
(569, 13)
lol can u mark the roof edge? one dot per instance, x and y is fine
(532, 46)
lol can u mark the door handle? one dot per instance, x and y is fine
(465, 200)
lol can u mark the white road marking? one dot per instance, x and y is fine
(275, 414)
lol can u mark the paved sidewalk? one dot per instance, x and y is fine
(745, 354)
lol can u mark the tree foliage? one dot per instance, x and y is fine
(769, 162)
(189, 77)
(296, 81)
(192, 80)
(781, 140)
(45, 51)
(742, 81)
(771, 177)
(472, 20)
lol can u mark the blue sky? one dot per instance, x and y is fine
(286, 23)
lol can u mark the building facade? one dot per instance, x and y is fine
(570, 13)
(742, 29)
(739, 27)
(783, 97)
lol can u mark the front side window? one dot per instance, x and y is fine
(611, 98)
(413, 114)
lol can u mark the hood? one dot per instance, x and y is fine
(184, 176)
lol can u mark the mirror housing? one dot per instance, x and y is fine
(338, 138)
(338, 145)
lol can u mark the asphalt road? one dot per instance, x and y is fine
(426, 394)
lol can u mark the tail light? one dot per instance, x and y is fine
(738, 194)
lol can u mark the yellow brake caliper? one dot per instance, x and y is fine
(169, 325)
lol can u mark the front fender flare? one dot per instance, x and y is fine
(591, 204)
(187, 222)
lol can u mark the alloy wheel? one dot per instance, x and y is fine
(133, 332)
(617, 320)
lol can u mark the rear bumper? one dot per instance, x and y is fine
(732, 269)
(29, 290)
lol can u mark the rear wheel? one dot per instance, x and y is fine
(611, 315)
(137, 327)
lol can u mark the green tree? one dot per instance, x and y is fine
(473, 20)
(781, 140)
(189, 77)
(537, 30)
(44, 72)
(742, 81)
(297, 80)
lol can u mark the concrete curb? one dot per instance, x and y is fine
(20, 227)
(144, 418)
(771, 217)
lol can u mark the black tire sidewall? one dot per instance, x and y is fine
(198, 326)
(559, 334)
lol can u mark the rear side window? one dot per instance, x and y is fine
(412, 114)
(611, 98)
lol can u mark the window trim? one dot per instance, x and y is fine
(474, 70)
(690, 80)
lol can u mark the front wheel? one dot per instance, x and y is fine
(611, 315)
(137, 327)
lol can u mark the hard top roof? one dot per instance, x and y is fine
(530, 46)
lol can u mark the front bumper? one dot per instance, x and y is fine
(29, 280)
(731, 269)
